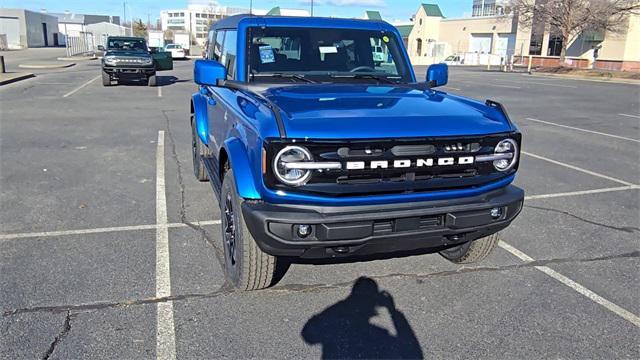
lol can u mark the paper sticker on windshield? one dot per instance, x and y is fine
(328, 50)
(266, 54)
(385, 39)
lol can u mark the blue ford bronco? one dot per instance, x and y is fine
(319, 147)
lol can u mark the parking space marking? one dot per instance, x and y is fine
(165, 330)
(616, 309)
(539, 83)
(583, 130)
(81, 86)
(159, 91)
(5, 237)
(573, 167)
(583, 192)
(629, 115)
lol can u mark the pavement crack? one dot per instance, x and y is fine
(295, 288)
(627, 229)
(56, 341)
(174, 154)
(183, 212)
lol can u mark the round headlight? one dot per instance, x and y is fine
(292, 154)
(506, 146)
(111, 60)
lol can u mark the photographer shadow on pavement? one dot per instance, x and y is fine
(344, 329)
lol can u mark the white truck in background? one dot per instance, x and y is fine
(183, 39)
(156, 39)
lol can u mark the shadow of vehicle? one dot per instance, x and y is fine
(344, 329)
(160, 81)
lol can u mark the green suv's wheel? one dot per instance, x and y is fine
(472, 251)
(198, 152)
(153, 81)
(106, 78)
(247, 267)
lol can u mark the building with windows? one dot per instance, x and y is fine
(196, 19)
(493, 35)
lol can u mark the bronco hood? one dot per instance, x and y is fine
(351, 111)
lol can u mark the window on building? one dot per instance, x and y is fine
(419, 47)
(555, 45)
(197, 15)
(420, 21)
(535, 45)
(182, 14)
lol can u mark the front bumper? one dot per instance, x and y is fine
(122, 71)
(379, 229)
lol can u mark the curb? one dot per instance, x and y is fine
(77, 58)
(588, 78)
(45, 66)
(15, 77)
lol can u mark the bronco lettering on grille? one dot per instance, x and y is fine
(406, 163)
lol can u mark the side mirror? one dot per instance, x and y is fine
(437, 75)
(100, 47)
(208, 72)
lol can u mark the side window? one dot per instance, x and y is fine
(217, 46)
(210, 41)
(228, 58)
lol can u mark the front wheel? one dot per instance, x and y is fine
(106, 78)
(153, 81)
(246, 265)
(472, 251)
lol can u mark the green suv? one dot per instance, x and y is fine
(130, 58)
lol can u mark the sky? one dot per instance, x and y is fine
(391, 10)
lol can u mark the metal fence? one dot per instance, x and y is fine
(81, 44)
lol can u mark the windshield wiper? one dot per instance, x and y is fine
(379, 78)
(285, 76)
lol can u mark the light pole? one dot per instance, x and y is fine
(311, 8)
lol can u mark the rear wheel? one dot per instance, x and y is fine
(106, 78)
(246, 265)
(198, 152)
(472, 251)
(153, 81)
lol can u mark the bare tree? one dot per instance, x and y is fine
(568, 19)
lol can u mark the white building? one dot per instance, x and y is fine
(21, 29)
(196, 19)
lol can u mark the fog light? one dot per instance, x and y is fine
(304, 230)
(496, 213)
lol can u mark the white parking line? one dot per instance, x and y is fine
(5, 237)
(629, 115)
(616, 309)
(81, 86)
(159, 91)
(538, 83)
(593, 173)
(165, 330)
(583, 130)
(583, 192)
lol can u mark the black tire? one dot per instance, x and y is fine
(472, 251)
(246, 265)
(152, 81)
(198, 152)
(106, 78)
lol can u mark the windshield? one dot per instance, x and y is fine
(116, 44)
(326, 54)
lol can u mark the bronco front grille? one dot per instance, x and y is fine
(371, 179)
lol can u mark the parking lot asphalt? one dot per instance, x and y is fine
(87, 174)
